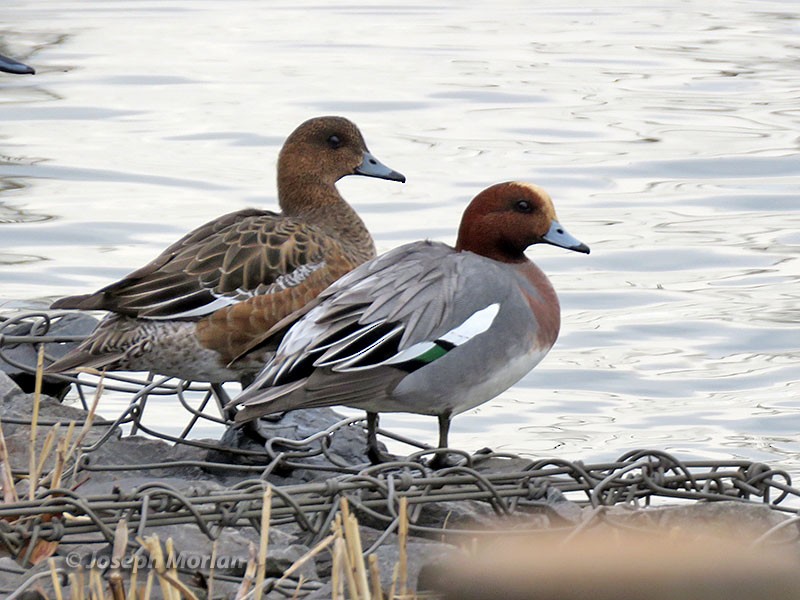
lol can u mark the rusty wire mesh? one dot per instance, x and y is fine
(506, 483)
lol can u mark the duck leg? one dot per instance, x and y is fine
(374, 453)
(223, 400)
(440, 460)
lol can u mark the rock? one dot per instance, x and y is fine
(741, 519)
(19, 406)
(192, 553)
(126, 484)
(233, 548)
(460, 514)
(568, 511)
(323, 593)
(347, 444)
(16, 413)
(37, 581)
(8, 388)
(71, 324)
(11, 576)
(134, 451)
(463, 514)
(421, 557)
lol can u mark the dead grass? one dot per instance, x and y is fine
(353, 576)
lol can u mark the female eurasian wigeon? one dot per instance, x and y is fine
(9, 65)
(203, 302)
(426, 328)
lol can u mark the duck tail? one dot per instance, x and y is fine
(81, 302)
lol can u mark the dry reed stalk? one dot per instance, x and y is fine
(395, 575)
(348, 566)
(148, 586)
(338, 555)
(261, 568)
(300, 581)
(37, 396)
(172, 566)
(47, 447)
(211, 570)
(133, 588)
(403, 541)
(6, 479)
(61, 457)
(249, 574)
(375, 577)
(96, 584)
(76, 584)
(87, 424)
(115, 579)
(171, 586)
(305, 558)
(355, 550)
(56, 580)
(42, 549)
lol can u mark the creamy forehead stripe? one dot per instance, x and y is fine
(535, 189)
(540, 192)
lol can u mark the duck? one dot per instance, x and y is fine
(426, 328)
(195, 310)
(9, 65)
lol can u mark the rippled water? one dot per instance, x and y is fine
(667, 133)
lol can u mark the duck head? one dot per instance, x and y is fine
(506, 218)
(327, 149)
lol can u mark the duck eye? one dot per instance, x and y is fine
(523, 206)
(334, 142)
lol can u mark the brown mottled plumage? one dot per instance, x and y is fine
(212, 294)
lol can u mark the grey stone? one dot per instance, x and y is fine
(37, 581)
(136, 451)
(19, 406)
(72, 324)
(8, 388)
(127, 484)
(347, 445)
(746, 519)
(16, 413)
(325, 592)
(233, 548)
(460, 514)
(420, 556)
(11, 576)
(566, 510)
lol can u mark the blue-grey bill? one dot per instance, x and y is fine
(372, 167)
(558, 236)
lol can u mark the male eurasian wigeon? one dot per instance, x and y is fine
(9, 65)
(203, 302)
(426, 328)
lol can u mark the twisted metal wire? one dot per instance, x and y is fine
(508, 485)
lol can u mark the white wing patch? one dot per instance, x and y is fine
(476, 324)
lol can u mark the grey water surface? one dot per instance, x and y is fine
(667, 133)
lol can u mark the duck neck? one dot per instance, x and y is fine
(319, 203)
(477, 240)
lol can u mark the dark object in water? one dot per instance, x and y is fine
(9, 65)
